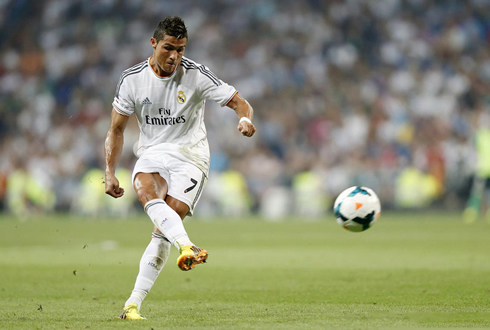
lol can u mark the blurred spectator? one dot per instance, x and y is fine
(379, 93)
(479, 201)
(227, 195)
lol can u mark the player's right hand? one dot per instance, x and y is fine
(112, 186)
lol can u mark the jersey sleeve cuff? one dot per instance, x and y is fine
(229, 99)
(120, 111)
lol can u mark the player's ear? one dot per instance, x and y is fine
(153, 42)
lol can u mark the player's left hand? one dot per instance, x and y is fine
(246, 128)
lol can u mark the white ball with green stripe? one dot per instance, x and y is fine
(357, 208)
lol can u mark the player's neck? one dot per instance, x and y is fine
(158, 70)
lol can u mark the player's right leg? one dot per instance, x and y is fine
(190, 255)
(151, 190)
(167, 217)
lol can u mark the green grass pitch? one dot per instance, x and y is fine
(408, 271)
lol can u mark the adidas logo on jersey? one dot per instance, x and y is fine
(146, 101)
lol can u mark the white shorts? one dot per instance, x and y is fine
(185, 180)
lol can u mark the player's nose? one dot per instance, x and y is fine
(174, 55)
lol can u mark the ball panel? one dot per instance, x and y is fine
(343, 195)
(353, 226)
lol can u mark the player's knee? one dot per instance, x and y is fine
(181, 208)
(144, 196)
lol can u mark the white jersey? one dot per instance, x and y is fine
(170, 110)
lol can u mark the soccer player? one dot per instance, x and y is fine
(167, 93)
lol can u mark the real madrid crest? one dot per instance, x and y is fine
(181, 97)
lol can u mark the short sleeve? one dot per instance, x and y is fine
(123, 100)
(212, 88)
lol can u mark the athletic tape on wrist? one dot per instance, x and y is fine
(245, 119)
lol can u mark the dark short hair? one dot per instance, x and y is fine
(171, 26)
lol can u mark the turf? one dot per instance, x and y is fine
(409, 271)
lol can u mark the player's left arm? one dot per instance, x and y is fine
(245, 113)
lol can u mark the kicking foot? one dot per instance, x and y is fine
(190, 256)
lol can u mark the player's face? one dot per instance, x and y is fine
(168, 52)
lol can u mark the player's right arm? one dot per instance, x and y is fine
(113, 148)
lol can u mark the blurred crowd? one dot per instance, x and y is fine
(382, 93)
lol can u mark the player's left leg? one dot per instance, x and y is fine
(151, 264)
(151, 187)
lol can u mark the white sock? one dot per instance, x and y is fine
(151, 264)
(168, 222)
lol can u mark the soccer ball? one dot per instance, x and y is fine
(357, 208)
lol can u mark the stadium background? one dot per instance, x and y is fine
(387, 94)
